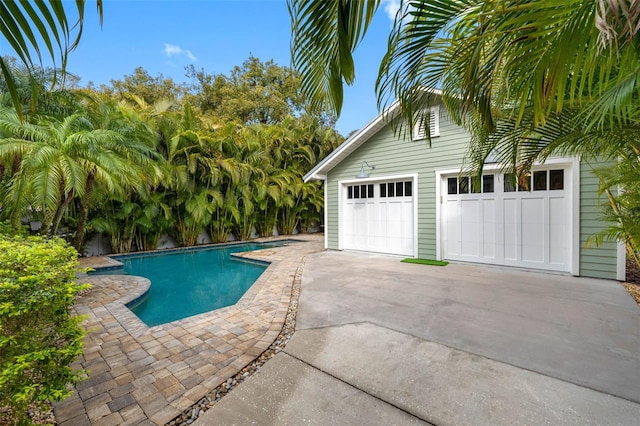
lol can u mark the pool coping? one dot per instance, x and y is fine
(154, 373)
(266, 240)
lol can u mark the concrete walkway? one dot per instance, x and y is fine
(382, 342)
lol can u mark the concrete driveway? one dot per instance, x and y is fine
(382, 342)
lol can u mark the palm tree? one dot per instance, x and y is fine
(32, 29)
(201, 172)
(117, 164)
(44, 173)
(60, 161)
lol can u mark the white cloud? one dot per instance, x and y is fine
(172, 49)
(391, 7)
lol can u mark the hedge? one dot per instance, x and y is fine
(39, 336)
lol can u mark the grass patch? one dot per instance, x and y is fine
(425, 261)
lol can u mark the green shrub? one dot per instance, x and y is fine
(39, 337)
(6, 230)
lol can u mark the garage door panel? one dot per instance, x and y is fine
(394, 231)
(489, 228)
(511, 234)
(360, 225)
(533, 229)
(383, 220)
(452, 233)
(558, 231)
(349, 230)
(407, 223)
(470, 227)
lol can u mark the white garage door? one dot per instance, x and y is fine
(504, 222)
(378, 217)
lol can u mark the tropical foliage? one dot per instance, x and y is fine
(528, 78)
(34, 29)
(134, 165)
(39, 337)
(255, 92)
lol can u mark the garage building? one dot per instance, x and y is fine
(406, 196)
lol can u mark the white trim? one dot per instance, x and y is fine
(551, 161)
(326, 215)
(415, 214)
(574, 267)
(317, 176)
(621, 270)
(343, 183)
(340, 214)
(439, 174)
(379, 178)
(621, 254)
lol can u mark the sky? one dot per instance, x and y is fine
(164, 36)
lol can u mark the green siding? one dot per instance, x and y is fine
(394, 156)
(598, 262)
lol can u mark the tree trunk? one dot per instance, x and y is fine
(15, 165)
(15, 215)
(78, 240)
(60, 212)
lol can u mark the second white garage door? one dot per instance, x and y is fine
(378, 217)
(504, 222)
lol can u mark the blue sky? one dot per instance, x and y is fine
(163, 36)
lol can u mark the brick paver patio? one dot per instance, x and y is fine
(141, 375)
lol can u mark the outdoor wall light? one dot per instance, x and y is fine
(362, 174)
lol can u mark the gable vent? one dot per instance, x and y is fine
(419, 129)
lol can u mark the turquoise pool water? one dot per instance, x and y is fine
(189, 282)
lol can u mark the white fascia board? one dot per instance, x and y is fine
(316, 176)
(621, 266)
(348, 146)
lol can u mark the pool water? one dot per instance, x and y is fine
(190, 282)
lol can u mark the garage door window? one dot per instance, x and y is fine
(466, 185)
(556, 179)
(513, 183)
(396, 189)
(359, 191)
(541, 180)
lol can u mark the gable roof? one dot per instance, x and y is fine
(319, 172)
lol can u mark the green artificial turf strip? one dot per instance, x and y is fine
(425, 261)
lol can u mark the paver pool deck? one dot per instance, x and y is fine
(150, 375)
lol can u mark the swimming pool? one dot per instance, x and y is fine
(189, 282)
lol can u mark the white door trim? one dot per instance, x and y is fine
(325, 185)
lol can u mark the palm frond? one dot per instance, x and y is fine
(324, 37)
(31, 30)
